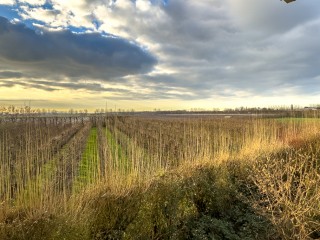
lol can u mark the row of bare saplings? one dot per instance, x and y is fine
(39, 160)
(139, 148)
(170, 142)
(41, 163)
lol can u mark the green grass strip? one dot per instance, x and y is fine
(117, 151)
(88, 172)
(36, 186)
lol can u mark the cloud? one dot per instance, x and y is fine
(63, 54)
(269, 17)
(8, 74)
(8, 2)
(202, 48)
(211, 51)
(33, 2)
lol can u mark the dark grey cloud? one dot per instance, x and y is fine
(51, 85)
(9, 74)
(63, 54)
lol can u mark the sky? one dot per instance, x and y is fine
(159, 54)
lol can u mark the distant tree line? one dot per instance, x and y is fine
(27, 110)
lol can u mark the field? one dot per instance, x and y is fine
(150, 177)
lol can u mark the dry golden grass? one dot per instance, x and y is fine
(276, 158)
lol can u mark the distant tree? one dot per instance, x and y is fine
(3, 109)
(11, 109)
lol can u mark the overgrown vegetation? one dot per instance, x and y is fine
(203, 204)
(149, 177)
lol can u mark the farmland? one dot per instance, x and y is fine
(151, 177)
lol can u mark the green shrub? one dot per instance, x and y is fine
(205, 205)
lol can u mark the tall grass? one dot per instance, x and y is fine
(125, 168)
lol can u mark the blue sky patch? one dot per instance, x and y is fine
(9, 12)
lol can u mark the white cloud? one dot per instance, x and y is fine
(63, 14)
(33, 2)
(8, 2)
(143, 5)
(45, 15)
(124, 5)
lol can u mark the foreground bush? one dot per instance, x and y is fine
(204, 205)
(289, 187)
(274, 198)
